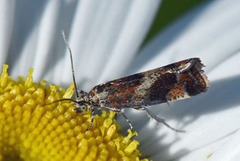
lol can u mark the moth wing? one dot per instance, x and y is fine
(172, 82)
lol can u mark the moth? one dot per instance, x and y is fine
(173, 82)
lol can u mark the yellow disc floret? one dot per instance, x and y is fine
(33, 128)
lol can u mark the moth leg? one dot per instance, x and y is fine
(129, 122)
(120, 111)
(141, 108)
(158, 119)
(110, 108)
(92, 119)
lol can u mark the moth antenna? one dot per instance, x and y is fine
(70, 53)
(65, 99)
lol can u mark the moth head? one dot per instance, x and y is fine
(82, 103)
(82, 107)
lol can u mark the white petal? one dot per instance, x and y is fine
(133, 32)
(206, 118)
(7, 10)
(46, 37)
(226, 149)
(229, 150)
(209, 32)
(209, 117)
(224, 109)
(105, 37)
(40, 43)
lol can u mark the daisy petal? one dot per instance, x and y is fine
(210, 116)
(7, 11)
(198, 34)
(105, 44)
(229, 150)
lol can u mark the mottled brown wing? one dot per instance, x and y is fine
(172, 82)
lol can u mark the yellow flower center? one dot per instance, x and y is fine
(32, 130)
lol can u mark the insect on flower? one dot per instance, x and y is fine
(175, 81)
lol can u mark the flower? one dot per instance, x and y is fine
(210, 119)
(33, 129)
(104, 38)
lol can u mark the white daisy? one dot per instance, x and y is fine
(105, 37)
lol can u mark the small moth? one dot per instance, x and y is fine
(175, 81)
